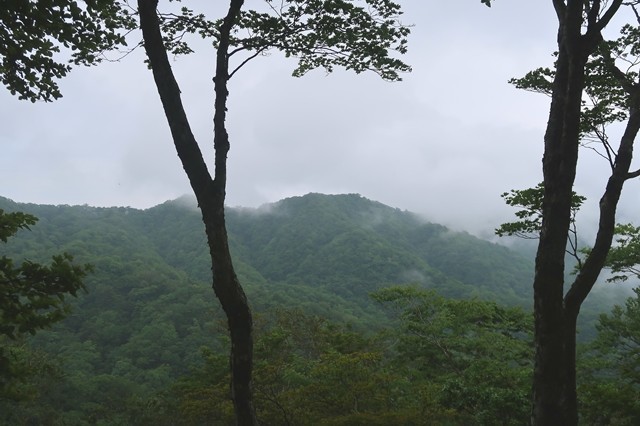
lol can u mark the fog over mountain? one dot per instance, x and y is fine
(445, 142)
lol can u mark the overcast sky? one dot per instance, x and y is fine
(445, 142)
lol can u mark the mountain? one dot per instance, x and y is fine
(334, 246)
(323, 253)
(344, 245)
(149, 308)
(350, 245)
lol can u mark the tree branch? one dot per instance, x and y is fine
(608, 15)
(169, 91)
(243, 63)
(592, 14)
(594, 263)
(633, 175)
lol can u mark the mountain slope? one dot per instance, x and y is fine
(352, 245)
(149, 308)
(343, 245)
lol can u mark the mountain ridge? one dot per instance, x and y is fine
(317, 239)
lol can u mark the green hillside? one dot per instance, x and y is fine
(345, 245)
(137, 333)
(350, 246)
(324, 253)
(321, 253)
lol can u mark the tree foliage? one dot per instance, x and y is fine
(33, 33)
(611, 73)
(611, 368)
(619, 337)
(311, 371)
(325, 34)
(319, 33)
(624, 257)
(530, 200)
(479, 352)
(32, 296)
(147, 312)
(145, 345)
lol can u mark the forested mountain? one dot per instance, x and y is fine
(351, 245)
(324, 253)
(346, 245)
(149, 307)
(342, 245)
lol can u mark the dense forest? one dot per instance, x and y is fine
(357, 314)
(365, 315)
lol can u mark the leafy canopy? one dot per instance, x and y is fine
(32, 296)
(609, 95)
(33, 32)
(530, 200)
(610, 75)
(619, 338)
(319, 33)
(477, 352)
(610, 384)
(623, 257)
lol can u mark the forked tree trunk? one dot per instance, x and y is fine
(559, 168)
(554, 382)
(210, 194)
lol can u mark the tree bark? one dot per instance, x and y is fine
(210, 194)
(554, 386)
(559, 168)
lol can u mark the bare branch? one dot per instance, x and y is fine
(635, 11)
(592, 13)
(243, 63)
(607, 16)
(632, 175)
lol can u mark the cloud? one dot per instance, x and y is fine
(445, 142)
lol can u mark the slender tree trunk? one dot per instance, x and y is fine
(559, 168)
(210, 194)
(554, 385)
(226, 284)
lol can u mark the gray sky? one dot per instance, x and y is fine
(445, 142)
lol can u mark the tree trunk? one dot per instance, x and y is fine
(559, 168)
(554, 385)
(210, 194)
